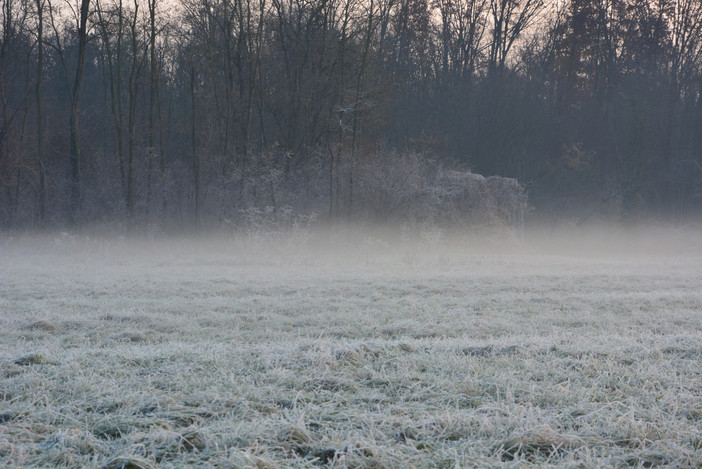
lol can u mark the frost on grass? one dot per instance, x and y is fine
(393, 353)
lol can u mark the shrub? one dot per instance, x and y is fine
(395, 187)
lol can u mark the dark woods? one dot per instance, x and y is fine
(214, 112)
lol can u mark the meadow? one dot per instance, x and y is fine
(352, 350)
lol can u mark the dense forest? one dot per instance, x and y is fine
(209, 112)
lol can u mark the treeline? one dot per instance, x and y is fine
(205, 111)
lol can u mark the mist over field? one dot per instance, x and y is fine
(349, 347)
(350, 233)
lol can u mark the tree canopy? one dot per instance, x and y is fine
(195, 111)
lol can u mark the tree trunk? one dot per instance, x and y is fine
(40, 127)
(196, 156)
(131, 116)
(359, 85)
(74, 155)
(153, 83)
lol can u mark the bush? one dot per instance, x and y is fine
(414, 188)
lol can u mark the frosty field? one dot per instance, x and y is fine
(349, 350)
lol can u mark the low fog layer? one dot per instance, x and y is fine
(359, 245)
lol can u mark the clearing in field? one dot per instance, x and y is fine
(344, 350)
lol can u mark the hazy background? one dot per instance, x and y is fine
(282, 113)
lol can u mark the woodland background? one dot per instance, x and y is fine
(147, 113)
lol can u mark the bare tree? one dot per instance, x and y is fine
(110, 27)
(153, 90)
(74, 88)
(75, 156)
(15, 90)
(460, 34)
(509, 19)
(359, 96)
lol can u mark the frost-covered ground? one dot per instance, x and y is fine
(352, 351)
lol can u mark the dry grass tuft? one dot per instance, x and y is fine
(30, 359)
(489, 350)
(133, 337)
(193, 441)
(649, 459)
(409, 348)
(538, 445)
(117, 426)
(44, 325)
(129, 462)
(9, 370)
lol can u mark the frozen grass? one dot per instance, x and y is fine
(351, 351)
